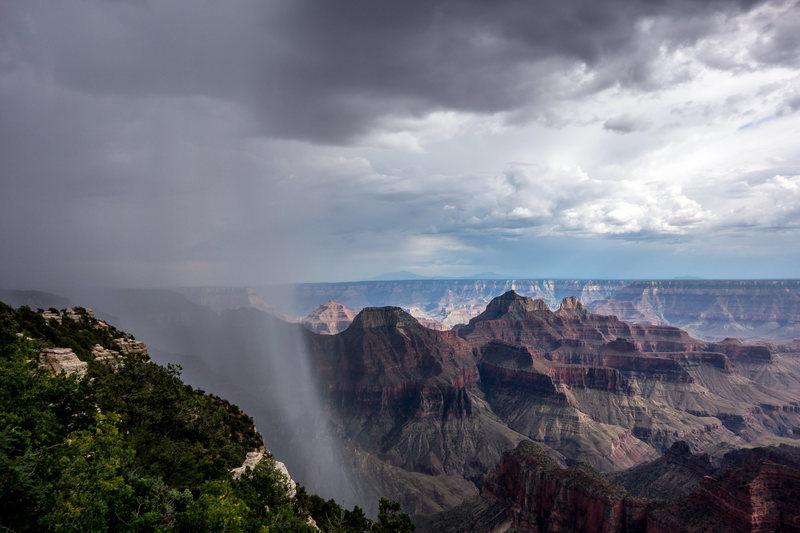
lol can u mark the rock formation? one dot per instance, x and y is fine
(130, 346)
(59, 360)
(329, 318)
(709, 309)
(714, 309)
(541, 496)
(408, 401)
(254, 458)
(657, 382)
(674, 474)
(755, 490)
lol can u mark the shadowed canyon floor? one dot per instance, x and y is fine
(750, 490)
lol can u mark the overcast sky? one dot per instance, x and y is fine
(246, 142)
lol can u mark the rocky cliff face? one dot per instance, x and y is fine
(674, 474)
(751, 310)
(407, 402)
(540, 496)
(641, 387)
(755, 490)
(414, 400)
(449, 302)
(58, 360)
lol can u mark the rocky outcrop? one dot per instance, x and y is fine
(75, 314)
(130, 346)
(450, 302)
(515, 318)
(104, 354)
(414, 400)
(408, 400)
(254, 458)
(657, 383)
(329, 318)
(757, 491)
(540, 496)
(63, 360)
(387, 359)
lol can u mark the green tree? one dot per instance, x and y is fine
(91, 491)
(391, 520)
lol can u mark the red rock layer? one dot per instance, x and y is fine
(602, 378)
(540, 496)
(575, 336)
(758, 496)
(387, 359)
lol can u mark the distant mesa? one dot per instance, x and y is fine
(400, 275)
(332, 317)
(329, 318)
(750, 310)
(383, 317)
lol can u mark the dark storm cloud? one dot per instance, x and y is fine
(161, 142)
(626, 124)
(325, 71)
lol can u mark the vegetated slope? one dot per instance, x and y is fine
(752, 490)
(119, 443)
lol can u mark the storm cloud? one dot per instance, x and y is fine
(153, 143)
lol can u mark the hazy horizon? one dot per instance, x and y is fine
(248, 143)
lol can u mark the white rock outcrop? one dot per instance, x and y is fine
(255, 457)
(59, 360)
(130, 346)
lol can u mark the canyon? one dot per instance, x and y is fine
(425, 416)
(764, 310)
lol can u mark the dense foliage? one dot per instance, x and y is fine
(129, 447)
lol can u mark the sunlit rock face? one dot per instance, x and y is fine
(329, 318)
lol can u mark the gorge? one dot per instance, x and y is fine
(424, 416)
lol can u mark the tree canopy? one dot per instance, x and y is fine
(130, 447)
